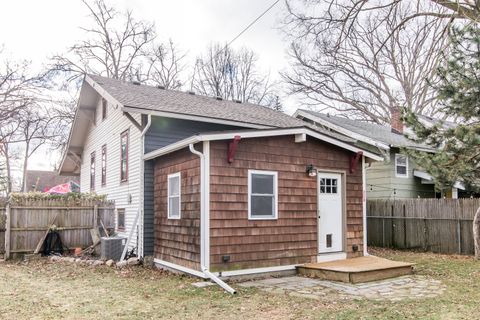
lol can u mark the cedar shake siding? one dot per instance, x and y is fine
(178, 240)
(292, 238)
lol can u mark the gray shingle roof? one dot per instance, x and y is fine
(152, 98)
(367, 129)
(144, 97)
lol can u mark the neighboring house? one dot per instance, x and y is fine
(39, 180)
(217, 185)
(397, 177)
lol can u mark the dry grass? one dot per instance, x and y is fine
(44, 290)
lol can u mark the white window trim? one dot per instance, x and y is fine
(174, 175)
(275, 194)
(397, 155)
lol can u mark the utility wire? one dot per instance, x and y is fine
(252, 23)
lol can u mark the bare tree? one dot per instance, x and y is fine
(230, 74)
(377, 69)
(165, 65)
(113, 47)
(340, 17)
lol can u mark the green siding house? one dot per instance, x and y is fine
(397, 177)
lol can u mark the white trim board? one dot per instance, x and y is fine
(341, 130)
(331, 256)
(257, 134)
(242, 272)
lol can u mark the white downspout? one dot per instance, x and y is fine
(142, 187)
(205, 215)
(364, 205)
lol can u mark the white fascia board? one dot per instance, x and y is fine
(257, 134)
(344, 145)
(195, 118)
(342, 130)
(102, 92)
(171, 148)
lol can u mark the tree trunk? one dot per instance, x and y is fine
(476, 233)
(8, 168)
(25, 165)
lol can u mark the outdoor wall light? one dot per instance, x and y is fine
(311, 171)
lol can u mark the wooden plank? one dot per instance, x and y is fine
(8, 231)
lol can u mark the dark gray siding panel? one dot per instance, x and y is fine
(162, 132)
(165, 131)
(148, 209)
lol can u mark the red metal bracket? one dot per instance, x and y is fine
(354, 161)
(232, 148)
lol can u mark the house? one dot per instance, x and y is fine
(397, 177)
(41, 180)
(206, 184)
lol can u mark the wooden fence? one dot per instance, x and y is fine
(3, 221)
(436, 225)
(27, 221)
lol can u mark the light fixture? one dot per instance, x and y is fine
(311, 171)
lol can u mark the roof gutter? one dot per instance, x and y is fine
(205, 214)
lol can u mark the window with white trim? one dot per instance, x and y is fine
(401, 166)
(173, 197)
(262, 195)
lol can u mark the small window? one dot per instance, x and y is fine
(92, 171)
(121, 219)
(174, 202)
(104, 165)
(124, 156)
(401, 166)
(104, 109)
(262, 195)
(328, 185)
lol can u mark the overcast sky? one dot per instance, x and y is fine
(34, 30)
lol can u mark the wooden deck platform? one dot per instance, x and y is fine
(356, 270)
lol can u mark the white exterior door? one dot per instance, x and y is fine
(330, 209)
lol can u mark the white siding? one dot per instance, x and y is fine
(107, 132)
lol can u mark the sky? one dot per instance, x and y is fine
(35, 30)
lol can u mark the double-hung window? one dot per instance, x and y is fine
(104, 109)
(92, 171)
(104, 165)
(173, 198)
(262, 195)
(401, 166)
(124, 156)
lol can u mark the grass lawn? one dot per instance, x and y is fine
(44, 290)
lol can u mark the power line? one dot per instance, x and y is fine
(252, 23)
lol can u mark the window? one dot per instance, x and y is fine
(92, 171)
(401, 166)
(104, 109)
(328, 186)
(174, 202)
(262, 195)
(121, 219)
(104, 165)
(124, 156)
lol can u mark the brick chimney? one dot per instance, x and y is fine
(396, 120)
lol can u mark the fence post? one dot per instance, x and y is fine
(383, 231)
(459, 236)
(95, 216)
(7, 231)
